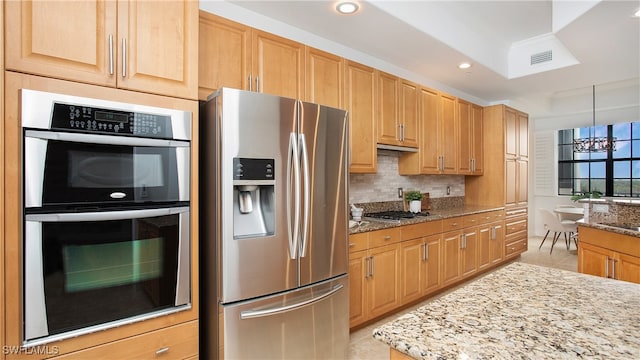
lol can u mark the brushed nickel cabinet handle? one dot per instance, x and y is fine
(124, 57)
(387, 237)
(110, 54)
(162, 351)
(352, 244)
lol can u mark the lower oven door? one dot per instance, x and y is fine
(89, 271)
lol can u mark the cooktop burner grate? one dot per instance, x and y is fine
(395, 215)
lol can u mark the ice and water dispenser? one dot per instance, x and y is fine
(253, 197)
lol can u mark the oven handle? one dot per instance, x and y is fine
(104, 139)
(106, 216)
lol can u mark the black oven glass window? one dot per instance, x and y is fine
(97, 272)
(81, 174)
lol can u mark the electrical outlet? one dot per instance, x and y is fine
(448, 190)
(400, 192)
(601, 208)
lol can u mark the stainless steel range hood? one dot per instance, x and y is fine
(396, 148)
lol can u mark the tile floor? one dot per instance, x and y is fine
(363, 346)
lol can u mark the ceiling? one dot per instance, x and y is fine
(590, 42)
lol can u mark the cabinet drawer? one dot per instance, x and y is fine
(491, 216)
(512, 213)
(512, 227)
(516, 247)
(472, 220)
(384, 237)
(420, 230)
(451, 224)
(175, 342)
(358, 242)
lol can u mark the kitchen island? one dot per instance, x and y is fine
(523, 311)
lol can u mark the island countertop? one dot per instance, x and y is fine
(524, 311)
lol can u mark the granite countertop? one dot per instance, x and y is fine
(371, 225)
(524, 311)
(623, 229)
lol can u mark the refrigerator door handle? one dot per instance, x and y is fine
(293, 162)
(304, 157)
(281, 309)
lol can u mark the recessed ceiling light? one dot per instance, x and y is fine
(347, 7)
(464, 65)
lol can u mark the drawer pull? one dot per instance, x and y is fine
(162, 351)
(454, 224)
(352, 244)
(387, 237)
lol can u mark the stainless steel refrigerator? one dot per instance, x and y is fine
(274, 219)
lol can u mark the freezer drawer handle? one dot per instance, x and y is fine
(268, 312)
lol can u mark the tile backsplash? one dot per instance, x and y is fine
(383, 185)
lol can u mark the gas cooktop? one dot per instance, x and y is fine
(394, 216)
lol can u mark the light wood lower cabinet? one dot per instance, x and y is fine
(175, 342)
(607, 254)
(394, 267)
(516, 236)
(374, 275)
(451, 243)
(421, 260)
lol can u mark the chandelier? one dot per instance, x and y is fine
(595, 143)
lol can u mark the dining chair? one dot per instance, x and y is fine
(552, 223)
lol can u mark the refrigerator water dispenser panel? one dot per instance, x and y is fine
(253, 197)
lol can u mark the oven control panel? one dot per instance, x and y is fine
(97, 120)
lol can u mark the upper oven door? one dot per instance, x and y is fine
(71, 171)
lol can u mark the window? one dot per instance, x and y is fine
(614, 173)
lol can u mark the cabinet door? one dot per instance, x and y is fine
(469, 254)
(522, 182)
(628, 268)
(449, 136)
(409, 113)
(412, 269)
(594, 260)
(388, 125)
(465, 139)
(477, 139)
(431, 281)
(358, 277)
(384, 289)
(496, 247)
(450, 257)
(511, 132)
(523, 135)
(324, 78)
(224, 54)
(360, 101)
(511, 182)
(277, 65)
(42, 41)
(431, 131)
(484, 246)
(158, 47)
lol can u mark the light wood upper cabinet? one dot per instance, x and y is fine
(277, 65)
(505, 177)
(388, 122)
(224, 54)
(398, 111)
(409, 113)
(477, 138)
(449, 135)
(238, 56)
(470, 153)
(118, 44)
(360, 102)
(324, 78)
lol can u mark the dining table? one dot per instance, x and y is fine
(569, 213)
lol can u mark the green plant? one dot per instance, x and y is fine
(413, 195)
(587, 195)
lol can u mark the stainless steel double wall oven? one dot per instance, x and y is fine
(106, 214)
